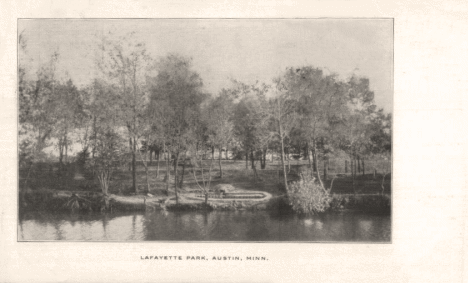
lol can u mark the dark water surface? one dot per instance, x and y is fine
(202, 226)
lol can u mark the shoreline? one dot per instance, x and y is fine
(52, 200)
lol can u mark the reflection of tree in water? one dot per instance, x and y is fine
(198, 225)
(257, 228)
(205, 218)
(207, 226)
(281, 214)
(203, 226)
(335, 227)
(21, 231)
(57, 223)
(133, 235)
(229, 225)
(374, 228)
(105, 223)
(350, 226)
(155, 225)
(39, 220)
(217, 229)
(20, 221)
(162, 225)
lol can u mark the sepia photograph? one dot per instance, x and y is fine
(205, 130)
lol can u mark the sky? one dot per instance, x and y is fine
(247, 50)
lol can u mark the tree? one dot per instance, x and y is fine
(354, 130)
(250, 126)
(36, 108)
(179, 88)
(200, 140)
(124, 62)
(283, 113)
(109, 148)
(321, 98)
(102, 131)
(36, 103)
(67, 114)
(380, 143)
(219, 123)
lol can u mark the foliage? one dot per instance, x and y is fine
(379, 204)
(82, 156)
(135, 99)
(36, 111)
(218, 115)
(178, 88)
(76, 203)
(307, 197)
(109, 147)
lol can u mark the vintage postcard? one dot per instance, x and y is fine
(244, 141)
(205, 130)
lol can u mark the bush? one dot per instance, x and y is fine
(82, 157)
(307, 197)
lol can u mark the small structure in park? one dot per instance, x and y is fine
(225, 192)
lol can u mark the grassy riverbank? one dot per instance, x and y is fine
(46, 185)
(82, 201)
(46, 176)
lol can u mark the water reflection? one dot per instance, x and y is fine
(203, 226)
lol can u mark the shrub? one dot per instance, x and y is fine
(307, 197)
(82, 157)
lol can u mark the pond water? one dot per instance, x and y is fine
(203, 226)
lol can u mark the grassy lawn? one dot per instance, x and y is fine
(234, 173)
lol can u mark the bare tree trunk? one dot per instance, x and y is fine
(147, 179)
(176, 163)
(285, 175)
(143, 158)
(331, 185)
(356, 168)
(168, 170)
(308, 156)
(261, 159)
(94, 137)
(383, 180)
(219, 160)
(66, 149)
(61, 155)
(306, 148)
(325, 170)
(353, 168)
(358, 164)
(246, 159)
(252, 160)
(346, 166)
(363, 168)
(134, 166)
(183, 171)
(151, 156)
(130, 146)
(263, 164)
(147, 175)
(316, 164)
(314, 157)
(157, 165)
(209, 172)
(206, 186)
